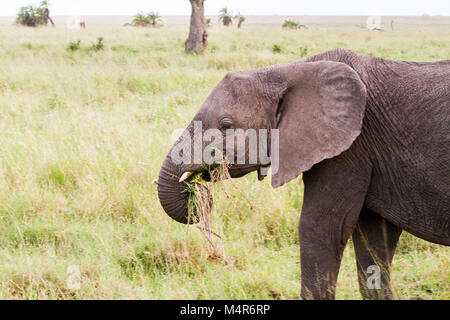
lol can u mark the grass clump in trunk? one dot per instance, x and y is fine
(200, 206)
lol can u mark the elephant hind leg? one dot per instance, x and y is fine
(375, 240)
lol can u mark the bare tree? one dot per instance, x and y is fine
(198, 36)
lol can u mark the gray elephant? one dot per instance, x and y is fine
(372, 139)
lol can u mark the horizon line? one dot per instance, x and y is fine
(255, 15)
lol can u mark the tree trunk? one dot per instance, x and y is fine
(47, 17)
(198, 36)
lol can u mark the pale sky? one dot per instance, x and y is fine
(246, 7)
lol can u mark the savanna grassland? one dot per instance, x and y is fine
(83, 133)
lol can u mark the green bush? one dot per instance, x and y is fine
(99, 45)
(30, 16)
(303, 51)
(289, 24)
(74, 45)
(276, 48)
(27, 45)
(33, 16)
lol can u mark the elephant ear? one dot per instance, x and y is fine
(319, 114)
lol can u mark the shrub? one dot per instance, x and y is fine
(74, 45)
(276, 48)
(99, 45)
(30, 16)
(27, 45)
(289, 24)
(303, 51)
(55, 101)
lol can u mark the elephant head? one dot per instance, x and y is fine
(315, 109)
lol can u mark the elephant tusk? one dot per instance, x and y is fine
(185, 175)
(155, 181)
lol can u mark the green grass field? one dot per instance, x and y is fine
(83, 134)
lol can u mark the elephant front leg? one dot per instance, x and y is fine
(334, 196)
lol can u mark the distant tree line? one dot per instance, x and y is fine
(198, 36)
(226, 17)
(144, 20)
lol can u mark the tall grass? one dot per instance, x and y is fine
(84, 132)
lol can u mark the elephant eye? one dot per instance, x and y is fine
(225, 124)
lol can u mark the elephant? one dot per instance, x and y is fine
(371, 138)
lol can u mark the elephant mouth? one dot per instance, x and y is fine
(241, 171)
(177, 186)
(214, 174)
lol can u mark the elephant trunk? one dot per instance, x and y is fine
(175, 187)
(173, 195)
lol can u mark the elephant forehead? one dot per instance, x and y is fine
(240, 87)
(238, 95)
(234, 95)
